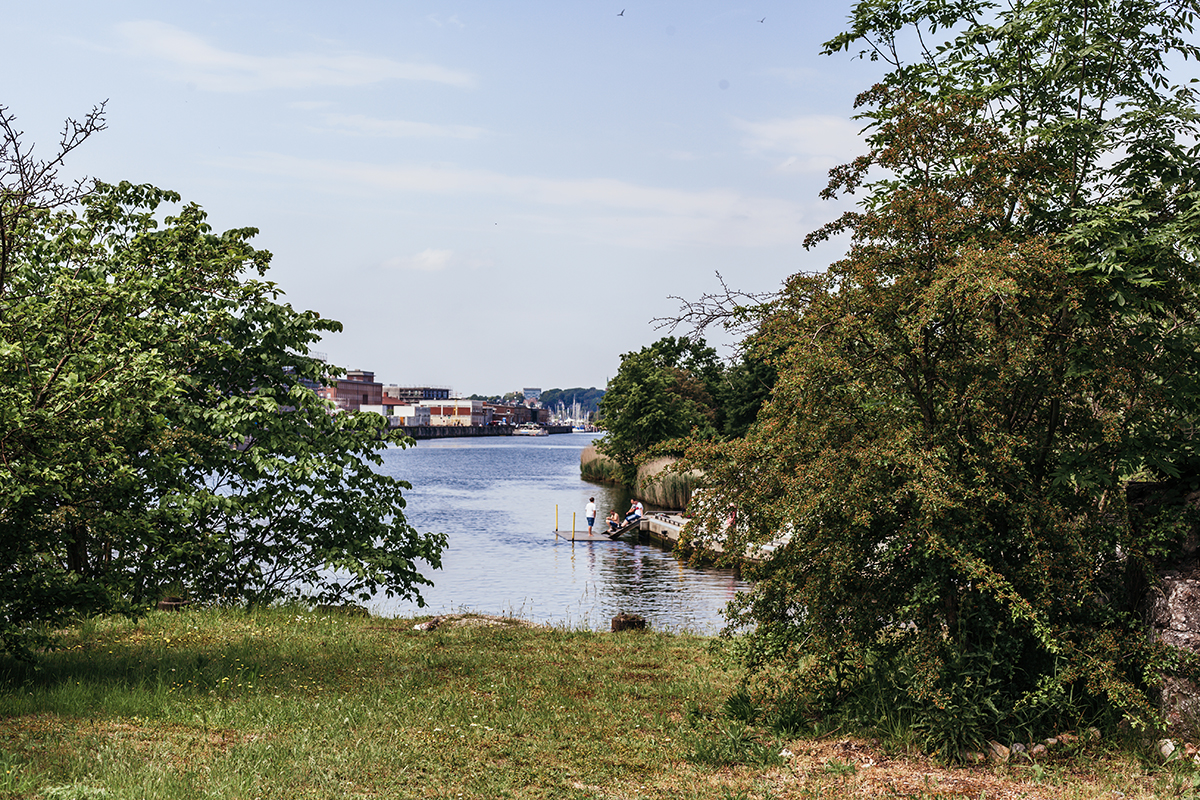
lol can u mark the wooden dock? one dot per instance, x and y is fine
(597, 535)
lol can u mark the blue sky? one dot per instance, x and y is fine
(487, 195)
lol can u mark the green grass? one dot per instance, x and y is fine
(294, 704)
(284, 704)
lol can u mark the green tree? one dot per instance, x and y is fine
(961, 399)
(660, 393)
(743, 389)
(157, 429)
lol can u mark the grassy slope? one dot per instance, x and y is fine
(293, 704)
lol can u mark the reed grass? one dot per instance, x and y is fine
(599, 468)
(654, 485)
(289, 703)
(665, 489)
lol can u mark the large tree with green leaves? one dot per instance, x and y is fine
(159, 430)
(660, 393)
(1011, 337)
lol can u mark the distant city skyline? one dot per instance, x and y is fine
(483, 194)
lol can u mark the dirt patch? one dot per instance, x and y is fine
(851, 768)
(471, 621)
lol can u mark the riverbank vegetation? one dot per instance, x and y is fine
(286, 702)
(962, 400)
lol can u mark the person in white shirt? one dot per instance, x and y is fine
(590, 513)
(635, 511)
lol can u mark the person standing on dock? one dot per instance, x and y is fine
(590, 513)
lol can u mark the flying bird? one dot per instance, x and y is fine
(622, 13)
(764, 19)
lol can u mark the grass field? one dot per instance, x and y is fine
(295, 704)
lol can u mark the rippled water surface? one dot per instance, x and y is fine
(495, 498)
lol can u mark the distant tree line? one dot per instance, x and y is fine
(588, 399)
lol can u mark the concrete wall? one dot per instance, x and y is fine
(452, 431)
(1175, 620)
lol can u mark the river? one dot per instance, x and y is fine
(495, 498)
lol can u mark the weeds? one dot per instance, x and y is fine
(836, 766)
(734, 743)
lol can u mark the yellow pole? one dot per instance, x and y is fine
(556, 516)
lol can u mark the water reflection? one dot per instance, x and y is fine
(496, 500)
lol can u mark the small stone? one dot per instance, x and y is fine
(998, 751)
(1166, 748)
(1189, 749)
(1050, 742)
(1067, 738)
(1017, 747)
(1094, 734)
(1037, 749)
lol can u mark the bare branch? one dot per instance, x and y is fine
(733, 310)
(29, 185)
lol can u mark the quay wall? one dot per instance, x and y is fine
(451, 431)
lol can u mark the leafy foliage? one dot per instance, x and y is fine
(961, 399)
(158, 426)
(660, 393)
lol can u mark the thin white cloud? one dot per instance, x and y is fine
(812, 143)
(451, 20)
(309, 105)
(595, 208)
(428, 260)
(196, 61)
(432, 259)
(362, 125)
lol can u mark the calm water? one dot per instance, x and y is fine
(495, 499)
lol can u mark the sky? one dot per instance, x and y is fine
(488, 196)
